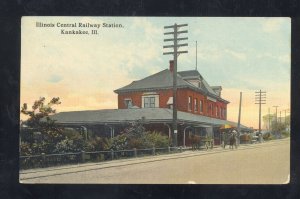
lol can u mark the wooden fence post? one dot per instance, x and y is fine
(135, 152)
(112, 154)
(82, 156)
(43, 159)
(153, 151)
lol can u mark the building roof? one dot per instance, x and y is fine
(164, 80)
(160, 80)
(190, 74)
(119, 116)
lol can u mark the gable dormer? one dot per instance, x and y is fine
(217, 90)
(193, 77)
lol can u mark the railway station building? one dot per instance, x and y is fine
(201, 109)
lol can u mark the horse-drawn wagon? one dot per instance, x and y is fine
(207, 142)
(229, 138)
(199, 141)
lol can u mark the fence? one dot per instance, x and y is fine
(48, 160)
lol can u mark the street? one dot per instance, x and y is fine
(265, 163)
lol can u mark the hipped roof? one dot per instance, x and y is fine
(164, 80)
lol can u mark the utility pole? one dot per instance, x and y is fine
(280, 116)
(175, 54)
(260, 98)
(285, 115)
(276, 113)
(269, 118)
(239, 118)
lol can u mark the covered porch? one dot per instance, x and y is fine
(111, 122)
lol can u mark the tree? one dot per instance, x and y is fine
(39, 121)
(278, 127)
(269, 119)
(40, 111)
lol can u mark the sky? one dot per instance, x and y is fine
(240, 54)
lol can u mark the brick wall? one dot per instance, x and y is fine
(182, 101)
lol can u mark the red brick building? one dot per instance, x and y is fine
(194, 94)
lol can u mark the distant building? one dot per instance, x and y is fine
(201, 109)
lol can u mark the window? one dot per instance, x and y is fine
(128, 103)
(212, 109)
(196, 105)
(207, 107)
(190, 103)
(220, 112)
(201, 106)
(149, 102)
(217, 111)
(225, 113)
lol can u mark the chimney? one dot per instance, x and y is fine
(171, 65)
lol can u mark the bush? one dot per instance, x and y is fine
(268, 136)
(137, 143)
(65, 146)
(119, 142)
(285, 134)
(98, 144)
(25, 149)
(144, 140)
(155, 139)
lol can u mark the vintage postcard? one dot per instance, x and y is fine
(155, 100)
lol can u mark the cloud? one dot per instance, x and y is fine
(237, 55)
(55, 78)
(284, 58)
(270, 25)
